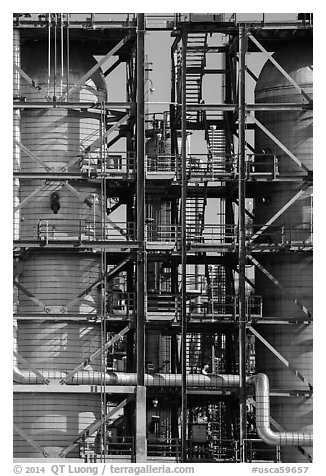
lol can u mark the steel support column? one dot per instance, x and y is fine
(184, 249)
(141, 455)
(241, 226)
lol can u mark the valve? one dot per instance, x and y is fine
(55, 202)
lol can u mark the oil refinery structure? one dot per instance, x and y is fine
(162, 297)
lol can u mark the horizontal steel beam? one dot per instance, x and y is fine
(95, 245)
(190, 107)
(113, 389)
(249, 107)
(72, 105)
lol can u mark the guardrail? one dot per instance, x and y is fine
(120, 303)
(212, 167)
(211, 234)
(113, 164)
(292, 234)
(117, 447)
(162, 233)
(224, 306)
(169, 448)
(66, 229)
(254, 449)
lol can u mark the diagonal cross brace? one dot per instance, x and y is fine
(97, 143)
(279, 143)
(90, 429)
(108, 275)
(282, 70)
(31, 367)
(32, 296)
(89, 73)
(95, 354)
(30, 196)
(97, 211)
(281, 429)
(32, 155)
(27, 77)
(279, 285)
(30, 440)
(281, 358)
(280, 212)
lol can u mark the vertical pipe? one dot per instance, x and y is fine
(140, 200)
(16, 129)
(241, 227)
(183, 249)
(141, 455)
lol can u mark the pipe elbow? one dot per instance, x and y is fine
(18, 377)
(268, 435)
(289, 438)
(284, 438)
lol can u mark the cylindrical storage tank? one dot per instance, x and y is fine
(58, 346)
(53, 421)
(57, 279)
(58, 135)
(77, 217)
(292, 270)
(292, 128)
(54, 139)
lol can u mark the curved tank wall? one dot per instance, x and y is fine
(292, 128)
(76, 215)
(56, 279)
(58, 346)
(56, 136)
(293, 270)
(53, 421)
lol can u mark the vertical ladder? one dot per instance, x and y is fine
(195, 64)
(216, 145)
(217, 289)
(195, 216)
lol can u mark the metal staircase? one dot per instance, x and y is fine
(195, 64)
(195, 61)
(195, 216)
(217, 292)
(218, 162)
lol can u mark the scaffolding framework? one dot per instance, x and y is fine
(174, 309)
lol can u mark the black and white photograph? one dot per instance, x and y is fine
(162, 192)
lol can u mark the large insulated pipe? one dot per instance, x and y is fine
(264, 430)
(260, 381)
